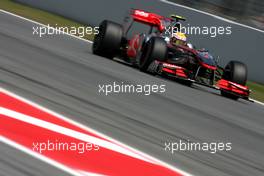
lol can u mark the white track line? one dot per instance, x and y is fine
(77, 123)
(165, 1)
(162, 163)
(212, 15)
(32, 21)
(71, 133)
(89, 173)
(256, 101)
(40, 157)
(85, 127)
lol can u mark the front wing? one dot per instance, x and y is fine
(175, 71)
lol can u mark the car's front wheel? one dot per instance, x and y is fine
(236, 72)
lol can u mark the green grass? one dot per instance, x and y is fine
(257, 90)
(56, 20)
(41, 16)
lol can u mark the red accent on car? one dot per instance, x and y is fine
(208, 66)
(133, 46)
(168, 70)
(178, 71)
(233, 87)
(181, 73)
(148, 18)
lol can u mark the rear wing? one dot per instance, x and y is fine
(147, 18)
(150, 19)
(141, 16)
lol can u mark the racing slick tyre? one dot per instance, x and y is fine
(108, 41)
(235, 72)
(155, 49)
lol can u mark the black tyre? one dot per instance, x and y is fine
(155, 49)
(108, 41)
(236, 72)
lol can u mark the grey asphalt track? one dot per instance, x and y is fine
(17, 163)
(60, 73)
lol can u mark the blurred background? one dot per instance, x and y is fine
(249, 12)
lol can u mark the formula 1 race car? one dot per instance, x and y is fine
(153, 52)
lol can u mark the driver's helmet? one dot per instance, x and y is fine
(178, 38)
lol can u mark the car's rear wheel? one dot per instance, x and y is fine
(155, 49)
(108, 41)
(236, 72)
